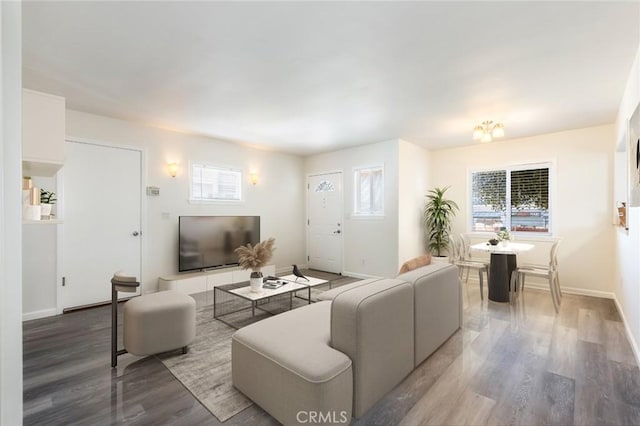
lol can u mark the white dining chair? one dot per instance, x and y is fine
(550, 272)
(466, 255)
(455, 257)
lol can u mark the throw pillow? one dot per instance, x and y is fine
(415, 263)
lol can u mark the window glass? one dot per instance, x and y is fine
(369, 191)
(210, 183)
(515, 198)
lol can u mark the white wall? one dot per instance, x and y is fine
(370, 244)
(626, 283)
(413, 184)
(277, 198)
(10, 214)
(582, 195)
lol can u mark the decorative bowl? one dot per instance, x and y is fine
(493, 242)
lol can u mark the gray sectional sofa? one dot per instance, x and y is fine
(335, 359)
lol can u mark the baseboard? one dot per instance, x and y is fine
(286, 270)
(357, 275)
(27, 316)
(632, 340)
(574, 290)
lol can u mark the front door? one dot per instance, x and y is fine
(325, 230)
(101, 231)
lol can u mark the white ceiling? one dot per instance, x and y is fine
(308, 77)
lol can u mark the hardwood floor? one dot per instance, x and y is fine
(509, 364)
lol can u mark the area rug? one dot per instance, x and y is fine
(206, 369)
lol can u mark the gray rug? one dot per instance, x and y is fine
(206, 369)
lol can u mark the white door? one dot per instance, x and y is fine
(101, 231)
(324, 236)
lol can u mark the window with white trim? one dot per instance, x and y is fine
(516, 198)
(213, 183)
(369, 191)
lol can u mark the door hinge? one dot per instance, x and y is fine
(64, 281)
(307, 258)
(308, 222)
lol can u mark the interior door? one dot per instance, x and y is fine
(325, 230)
(102, 215)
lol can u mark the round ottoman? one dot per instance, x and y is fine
(159, 322)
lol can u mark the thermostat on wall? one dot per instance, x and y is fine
(153, 191)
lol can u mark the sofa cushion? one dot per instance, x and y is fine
(331, 294)
(286, 366)
(373, 325)
(414, 263)
(298, 339)
(438, 306)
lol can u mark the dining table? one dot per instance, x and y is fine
(503, 262)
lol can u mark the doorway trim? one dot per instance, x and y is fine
(326, 172)
(143, 210)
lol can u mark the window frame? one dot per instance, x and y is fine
(356, 192)
(219, 167)
(550, 165)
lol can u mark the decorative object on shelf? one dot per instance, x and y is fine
(488, 130)
(27, 183)
(254, 258)
(622, 215)
(47, 200)
(173, 169)
(31, 209)
(494, 241)
(438, 214)
(298, 274)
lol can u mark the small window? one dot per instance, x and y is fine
(325, 186)
(369, 191)
(211, 183)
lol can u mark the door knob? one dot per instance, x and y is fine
(135, 233)
(337, 232)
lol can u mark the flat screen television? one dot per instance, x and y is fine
(209, 241)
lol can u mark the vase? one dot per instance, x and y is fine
(255, 281)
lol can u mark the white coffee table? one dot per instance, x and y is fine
(243, 291)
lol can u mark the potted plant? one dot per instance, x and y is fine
(438, 214)
(255, 258)
(504, 236)
(47, 200)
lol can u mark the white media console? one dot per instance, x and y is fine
(197, 282)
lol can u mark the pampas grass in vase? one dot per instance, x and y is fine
(254, 258)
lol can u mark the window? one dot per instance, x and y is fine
(369, 191)
(210, 183)
(515, 198)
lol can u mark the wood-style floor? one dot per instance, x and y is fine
(518, 364)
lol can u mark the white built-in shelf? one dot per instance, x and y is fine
(43, 222)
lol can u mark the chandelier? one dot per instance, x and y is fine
(488, 130)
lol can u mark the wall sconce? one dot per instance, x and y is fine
(173, 169)
(253, 177)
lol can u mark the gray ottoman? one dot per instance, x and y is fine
(159, 322)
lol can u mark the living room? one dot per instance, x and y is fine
(586, 146)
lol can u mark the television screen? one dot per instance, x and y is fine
(210, 241)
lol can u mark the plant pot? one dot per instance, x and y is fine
(45, 209)
(255, 281)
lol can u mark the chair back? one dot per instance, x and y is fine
(553, 260)
(465, 246)
(454, 249)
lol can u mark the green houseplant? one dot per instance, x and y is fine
(438, 214)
